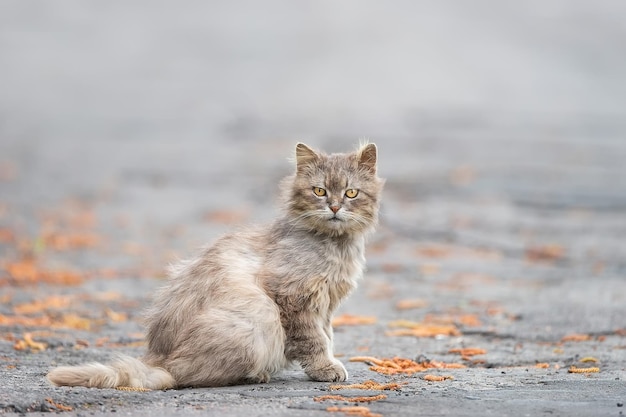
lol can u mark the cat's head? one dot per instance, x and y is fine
(335, 194)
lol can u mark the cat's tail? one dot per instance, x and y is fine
(122, 372)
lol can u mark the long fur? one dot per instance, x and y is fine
(123, 372)
(259, 298)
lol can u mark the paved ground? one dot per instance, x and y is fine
(132, 134)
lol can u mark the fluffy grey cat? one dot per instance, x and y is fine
(260, 298)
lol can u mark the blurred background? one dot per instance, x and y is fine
(491, 116)
(132, 132)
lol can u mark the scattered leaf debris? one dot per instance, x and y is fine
(136, 389)
(404, 366)
(545, 253)
(28, 343)
(575, 370)
(370, 385)
(363, 399)
(352, 320)
(354, 411)
(576, 337)
(467, 353)
(410, 328)
(58, 406)
(437, 378)
(410, 304)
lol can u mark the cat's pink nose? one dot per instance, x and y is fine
(335, 209)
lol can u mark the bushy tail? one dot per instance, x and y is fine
(122, 372)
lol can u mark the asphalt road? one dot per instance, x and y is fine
(131, 134)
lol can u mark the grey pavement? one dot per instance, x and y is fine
(133, 133)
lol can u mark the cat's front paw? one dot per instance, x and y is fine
(330, 372)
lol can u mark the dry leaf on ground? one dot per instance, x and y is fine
(354, 411)
(545, 253)
(352, 320)
(576, 337)
(369, 385)
(422, 329)
(37, 306)
(575, 370)
(58, 406)
(364, 399)
(437, 378)
(404, 366)
(28, 342)
(467, 352)
(411, 304)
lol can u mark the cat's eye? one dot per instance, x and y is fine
(320, 192)
(351, 193)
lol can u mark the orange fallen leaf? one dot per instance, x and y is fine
(28, 272)
(73, 321)
(434, 251)
(23, 270)
(470, 320)
(544, 253)
(576, 337)
(466, 352)
(422, 329)
(575, 370)
(226, 216)
(369, 385)
(6, 235)
(398, 365)
(410, 304)
(25, 321)
(136, 389)
(101, 341)
(66, 241)
(59, 406)
(37, 306)
(354, 411)
(81, 343)
(437, 378)
(543, 365)
(28, 342)
(364, 399)
(352, 320)
(116, 317)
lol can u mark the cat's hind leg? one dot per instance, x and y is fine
(236, 342)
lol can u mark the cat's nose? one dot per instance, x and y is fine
(335, 208)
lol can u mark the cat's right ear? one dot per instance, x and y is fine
(304, 156)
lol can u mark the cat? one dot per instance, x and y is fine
(261, 298)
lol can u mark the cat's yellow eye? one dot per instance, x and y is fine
(320, 192)
(351, 193)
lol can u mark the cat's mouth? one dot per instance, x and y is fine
(335, 219)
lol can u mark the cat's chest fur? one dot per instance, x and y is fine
(319, 272)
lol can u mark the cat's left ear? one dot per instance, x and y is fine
(367, 157)
(304, 156)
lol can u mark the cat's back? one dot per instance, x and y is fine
(234, 256)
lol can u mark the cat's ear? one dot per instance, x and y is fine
(367, 157)
(304, 156)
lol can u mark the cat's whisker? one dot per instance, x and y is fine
(297, 220)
